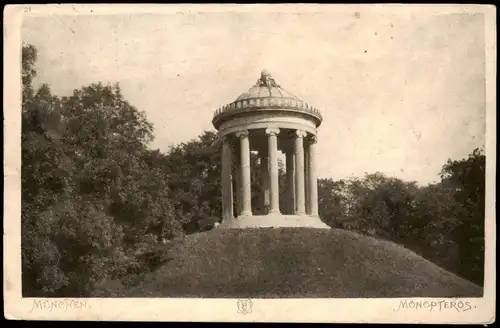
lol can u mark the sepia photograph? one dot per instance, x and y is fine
(251, 153)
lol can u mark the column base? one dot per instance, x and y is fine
(245, 214)
(274, 220)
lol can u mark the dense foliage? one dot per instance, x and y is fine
(443, 222)
(99, 205)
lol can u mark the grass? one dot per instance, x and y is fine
(297, 262)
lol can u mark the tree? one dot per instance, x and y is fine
(332, 205)
(93, 197)
(466, 179)
(434, 219)
(45, 174)
(193, 173)
(380, 205)
(28, 72)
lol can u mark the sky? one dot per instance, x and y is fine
(399, 93)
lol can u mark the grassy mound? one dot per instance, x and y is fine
(297, 262)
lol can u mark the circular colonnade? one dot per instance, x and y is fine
(268, 120)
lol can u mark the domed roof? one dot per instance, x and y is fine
(266, 87)
(265, 94)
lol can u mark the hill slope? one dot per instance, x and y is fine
(298, 262)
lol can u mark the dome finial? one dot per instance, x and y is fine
(266, 79)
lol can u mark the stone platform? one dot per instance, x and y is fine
(274, 221)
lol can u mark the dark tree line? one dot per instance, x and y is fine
(98, 205)
(443, 222)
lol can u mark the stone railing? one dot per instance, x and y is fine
(268, 103)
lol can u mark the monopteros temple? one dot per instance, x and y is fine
(267, 119)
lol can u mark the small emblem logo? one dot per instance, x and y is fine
(244, 306)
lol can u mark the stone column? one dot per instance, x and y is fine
(237, 182)
(299, 171)
(246, 191)
(264, 181)
(290, 178)
(313, 180)
(226, 180)
(306, 175)
(272, 139)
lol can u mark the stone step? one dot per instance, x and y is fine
(274, 220)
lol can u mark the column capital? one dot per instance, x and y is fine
(221, 140)
(313, 139)
(300, 133)
(224, 138)
(272, 131)
(242, 133)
